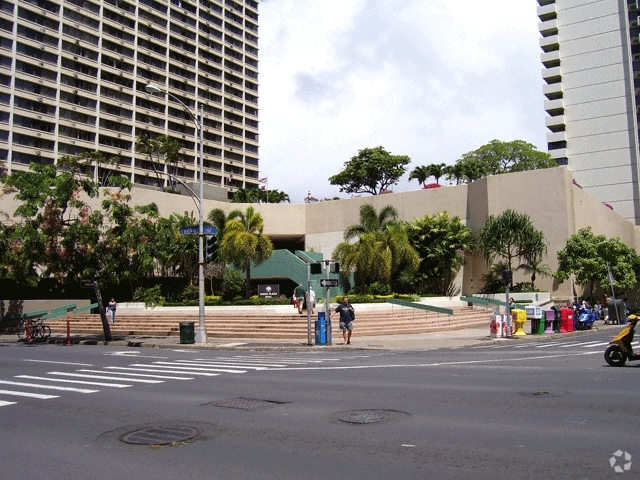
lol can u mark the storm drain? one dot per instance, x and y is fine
(543, 394)
(362, 417)
(250, 404)
(160, 435)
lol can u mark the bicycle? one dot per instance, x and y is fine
(37, 329)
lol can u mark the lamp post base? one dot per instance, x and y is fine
(201, 335)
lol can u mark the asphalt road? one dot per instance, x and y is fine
(518, 411)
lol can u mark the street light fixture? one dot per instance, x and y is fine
(201, 331)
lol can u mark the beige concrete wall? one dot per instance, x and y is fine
(554, 204)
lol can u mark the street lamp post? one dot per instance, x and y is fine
(201, 331)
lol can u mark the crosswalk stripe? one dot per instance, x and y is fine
(190, 368)
(227, 365)
(4, 403)
(48, 387)
(155, 369)
(530, 345)
(233, 344)
(27, 394)
(578, 344)
(166, 377)
(82, 382)
(104, 377)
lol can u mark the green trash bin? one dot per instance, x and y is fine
(187, 332)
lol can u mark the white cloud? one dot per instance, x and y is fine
(431, 80)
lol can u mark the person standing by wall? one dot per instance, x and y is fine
(299, 292)
(112, 310)
(347, 315)
(311, 302)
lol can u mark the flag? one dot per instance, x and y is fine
(263, 180)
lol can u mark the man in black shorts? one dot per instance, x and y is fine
(346, 319)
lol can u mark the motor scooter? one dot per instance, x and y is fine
(620, 349)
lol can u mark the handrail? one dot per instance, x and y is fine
(420, 306)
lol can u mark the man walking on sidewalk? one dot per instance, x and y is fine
(347, 315)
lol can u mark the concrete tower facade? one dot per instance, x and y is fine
(591, 59)
(73, 77)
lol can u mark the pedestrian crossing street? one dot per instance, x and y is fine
(85, 378)
(595, 344)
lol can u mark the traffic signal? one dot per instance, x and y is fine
(211, 249)
(315, 268)
(335, 267)
(507, 276)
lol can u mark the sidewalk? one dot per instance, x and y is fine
(420, 341)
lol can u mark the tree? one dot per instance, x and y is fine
(586, 255)
(441, 242)
(244, 242)
(498, 157)
(420, 173)
(381, 250)
(534, 250)
(508, 237)
(437, 170)
(255, 195)
(372, 171)
(162, 152)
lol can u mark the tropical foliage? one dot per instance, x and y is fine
(372, 171)
(586, 256)
(257, 195)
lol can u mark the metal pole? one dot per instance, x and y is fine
(327, 304)
(309, 341)
(508, 313)
(201, 331)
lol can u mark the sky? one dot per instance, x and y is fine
(431, 79)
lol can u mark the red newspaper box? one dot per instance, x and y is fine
(566, 320)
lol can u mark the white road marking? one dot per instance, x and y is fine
(48, 387)
(4, 403)
(133, 353)
(538, 345)
(229, 365)
(419, 365)
(579, 344)
(99, 384)
(103, 377)
(60, 363)
(190, 368)
(155, 370)
(234, 344)
(137, 374)
(600, 344)
(27, 394)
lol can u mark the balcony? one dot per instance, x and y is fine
(555, 124)
(553, 91)
(554, 107)
(552, 75)
(547, 12)
(556, 137)
(550, 44)
(550, 59)
(548, 28)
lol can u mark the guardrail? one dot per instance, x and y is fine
(420, 306)
(487, 302)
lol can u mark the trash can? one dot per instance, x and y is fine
(615, 309)
(321, 329)
(187, 332)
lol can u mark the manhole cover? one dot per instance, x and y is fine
(247, 403)
(370, 416)
(543, 394)
(160, 435)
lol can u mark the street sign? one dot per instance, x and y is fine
(206, 229)
(328, 282)
(84, 283)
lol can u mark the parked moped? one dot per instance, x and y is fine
(620, 349)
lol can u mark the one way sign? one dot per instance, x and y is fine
(328, 282)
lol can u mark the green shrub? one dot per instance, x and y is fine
(190, 292)
(379, 288)
(151, 296)
(233, 285)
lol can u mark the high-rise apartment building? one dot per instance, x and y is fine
(591, 58)
(74, 73)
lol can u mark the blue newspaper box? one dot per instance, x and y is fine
(321, 329)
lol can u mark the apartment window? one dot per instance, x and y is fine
(36, 124)
(250, 160)
(39, 19)
(232, 29)
(152, 61)
(212, 137)
(118, 33)
(233, 143)
(37, 53)
(181, 44)
(233, 117)
(115, 94)
(79, 50)
(233, 66)
(251, 98)
(251, 123)
(27, 158)
(92, 7)
(187, 60)
(80, 34)
(70, 132)
(144, 15)
(210, 30)
(152, 32)
(37, 36)
(233, 156)
(182, 17)
(34, 142)
(211, 83)
(251, 110)
(211, 56)
(50, 6)
(206, 16)
(36, 88)
(122, 5)
(117, 79)
(77, 99)
(155, 5)
(120, 19)
(78, 83)
(211, 6)
(77, 117)
(116, 111)
(233, 53)
(184, 73)
(115, 126)
(204, 68)
(77, 17)
(66, 149)
(149, 105)
(114, 142)
(251, 38)
(79, 67)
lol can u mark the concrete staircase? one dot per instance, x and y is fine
(394, 320)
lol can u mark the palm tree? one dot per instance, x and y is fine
(243, 242)
(381, 249)
(420, 173)
(437, 170)
(533, 251)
